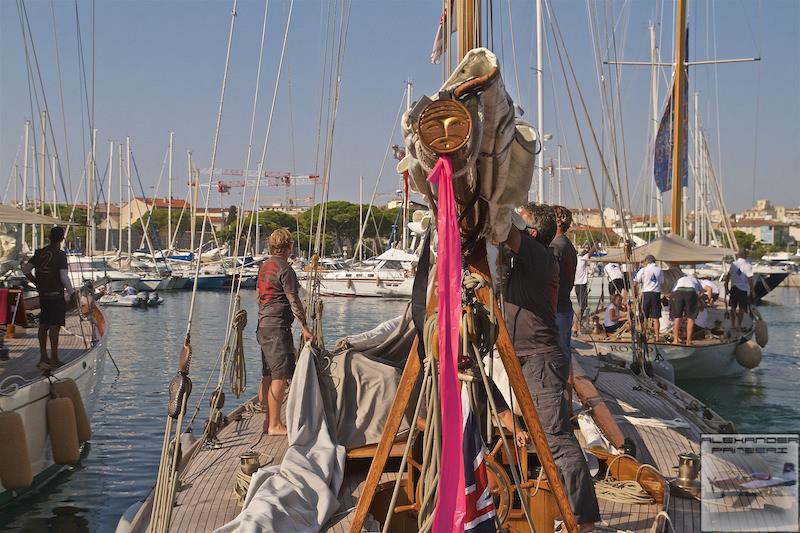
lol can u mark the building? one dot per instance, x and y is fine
(765, 231)
(126, 214)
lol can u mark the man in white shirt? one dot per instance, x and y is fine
(581, 285)
(649, 278)
(739, 285)
(685, 304)
(616, 283)
(711, 289)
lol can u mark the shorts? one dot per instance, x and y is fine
(614, 328)
(277, 352)
(651, 304)
(52, 310)
(684, 304)
(616, 286)
(582, 295)
(738, 298)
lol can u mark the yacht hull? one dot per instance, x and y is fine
(30, 401)
(689, 362)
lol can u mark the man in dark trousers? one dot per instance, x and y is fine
(567, 259)
(278, 305)
(55, 289)
(530, 305)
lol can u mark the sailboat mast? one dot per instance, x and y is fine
(539, 99)
(169, 195)
(678, 141)
(119, 218)
(654, 119)
(25, 172)
(130, 199)
(90, 200)
(108, 196)
(696, 167)
(409, 93)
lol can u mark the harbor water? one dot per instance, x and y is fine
(128, 424)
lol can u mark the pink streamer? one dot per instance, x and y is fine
(451, 502)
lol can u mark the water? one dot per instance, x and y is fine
(129, 422)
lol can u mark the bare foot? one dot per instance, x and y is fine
(277, 430)
(676, 342)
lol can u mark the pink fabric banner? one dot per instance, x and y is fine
(451, 502)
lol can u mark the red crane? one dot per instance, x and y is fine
(273, 179)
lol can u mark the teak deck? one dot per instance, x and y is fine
(24, 349)
(206, 499)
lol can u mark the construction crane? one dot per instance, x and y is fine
(273, 179)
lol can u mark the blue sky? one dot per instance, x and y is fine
(158, 68)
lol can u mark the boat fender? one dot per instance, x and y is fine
(663, 368)
(15, 463)
(67, 388)
(125, 524)
(761, 333)
(63, 431)
(748, 354)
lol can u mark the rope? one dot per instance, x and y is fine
(239, 369)
(630, 491)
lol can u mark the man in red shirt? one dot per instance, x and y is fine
(51, 280)
(278, 305)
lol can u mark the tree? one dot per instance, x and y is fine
(744, 240)
(233, 214)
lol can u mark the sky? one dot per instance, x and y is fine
(157, 67)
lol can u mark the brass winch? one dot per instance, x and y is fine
(689, 473)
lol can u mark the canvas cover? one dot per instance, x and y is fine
(501, 150)
(336, 401)
(671, 249)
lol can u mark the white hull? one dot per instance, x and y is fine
(689, 362)
(30, 401)
(374, 287)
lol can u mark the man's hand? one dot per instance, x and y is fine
(523, 438)
(307, 335)
(68, 296)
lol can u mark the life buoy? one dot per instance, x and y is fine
(63, 431)
(67, 388)
(15, 463)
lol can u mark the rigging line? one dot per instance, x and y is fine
(323, 77)
(41, 85)
(345, 16)
(333, 107)
(60, 89)
(618, 91)
(213, 164)
(514, 50)
(554, 25)
(83, 86)
(560, 123)
(236, 287)
(716, 92)
(380, 174)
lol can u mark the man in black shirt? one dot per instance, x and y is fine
(567, 259)
(530, 302)
(51, 280)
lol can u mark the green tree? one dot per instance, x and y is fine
(744, 240)
(233, 214)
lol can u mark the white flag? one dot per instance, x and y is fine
(438, 41)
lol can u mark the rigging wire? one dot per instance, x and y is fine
(60, 89)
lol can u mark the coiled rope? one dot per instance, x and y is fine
(238, 369)
(629, 491)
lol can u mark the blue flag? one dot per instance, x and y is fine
(662, 162)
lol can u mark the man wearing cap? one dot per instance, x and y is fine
(55, 290)
(649, 278)
(530, 305)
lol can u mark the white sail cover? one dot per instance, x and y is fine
(502, 149)
(671, 249)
